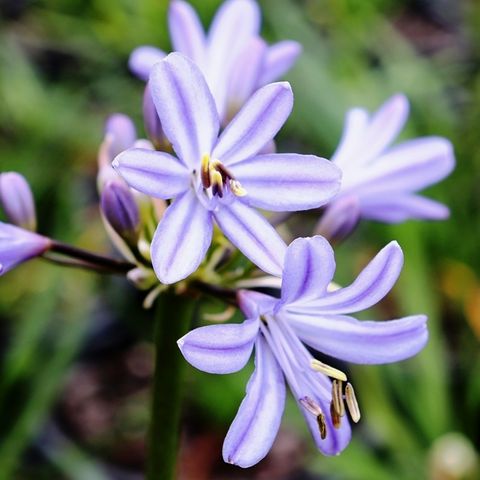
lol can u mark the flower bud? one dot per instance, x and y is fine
(17, 200)
(121, 130)
(152, 123)
(121, 211)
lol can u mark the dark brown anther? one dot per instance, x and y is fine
(337, 397)
(336, 418)
(322, 426)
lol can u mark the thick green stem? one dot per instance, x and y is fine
(173, 317)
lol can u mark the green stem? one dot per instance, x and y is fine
(173, 317)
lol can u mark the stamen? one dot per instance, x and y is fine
(337, 398)
(314, 408)
(336, 418)
(237, 189)
(205, 171)
(352, 403)
(216, 181)
(322, 426)
(319, 366)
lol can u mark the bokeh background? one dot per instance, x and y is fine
(74, 347)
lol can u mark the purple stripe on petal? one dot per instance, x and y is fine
(157, 174)
(258, 419)
(142, 59)
(398, 208)
(220, 348)
(364, 342)
(309, 268)
(185, 107)
(256, 124)
(186, 31)
(287, 182)
(373, 283)
(279, 59)
(253, 236)
(182, 238)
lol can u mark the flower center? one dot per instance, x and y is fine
(216, 176)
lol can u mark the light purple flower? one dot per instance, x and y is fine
(383, 178)
(221, 177)
(308, 313)
(233, 58)
(16, 198)
(18, 245)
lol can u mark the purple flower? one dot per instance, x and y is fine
(384, 179)
(221, 177)
(16, 198)
(308, 313)
(18, 245)
(233, 58)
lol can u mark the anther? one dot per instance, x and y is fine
(322, 426)
(319, 366)
(216, 181)
(337, 398)
(314, 408)
(336, 418)
(205, 171)
(237, 189)
(352, 403)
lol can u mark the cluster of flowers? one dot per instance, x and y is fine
(211, 114)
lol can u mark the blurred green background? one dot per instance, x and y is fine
(75, 357)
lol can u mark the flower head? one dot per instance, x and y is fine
(220, 177)
(233, 58)
(383, 179)
(18, 245)
(307, 313)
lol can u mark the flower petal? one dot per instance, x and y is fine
(142, 59)
(253, 304)
(309, 268)
(157, 174)
(279, 59)
(186, 31)
(256, 124)
(253, 236)
(234, 24)
(245, 74)
(256, 424)
(398, 208)
(365, 342)
(371, 285)
(287, 182)
(18, 245)
(185, 107)
(182, 238)
(410, 166)
(220, 348)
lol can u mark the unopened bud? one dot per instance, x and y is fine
(121, 211)
(142, 278)
(121, 130)
(16, 199)
(152, 122)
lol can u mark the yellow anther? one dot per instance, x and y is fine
(237, 189)
(205, 173)
(216, 181)
(352, 403)
(319, 366)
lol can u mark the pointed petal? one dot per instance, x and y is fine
(253, 236)
(234, 24)
(157, 174)
(365, 342)
(279, 59)
(410, 166)
(186, 31)
(398, 208)
(253, 304)
(220, 348)
(371, 285)
(287, 181)
(245, 74)
(256, 424)
(309, 268)
(142, 59)
(18, 245)
(256, 124)
(185, 107)
(182, 238)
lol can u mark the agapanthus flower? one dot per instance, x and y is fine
(222, 176)
(18, 245)
(308, 313)
(232, 56)
(379, 180)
